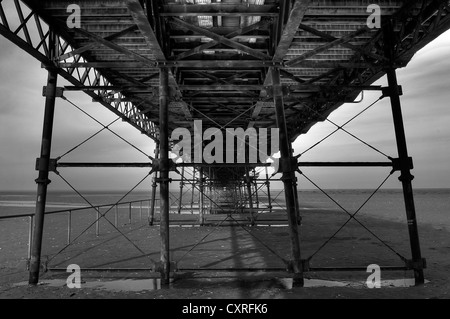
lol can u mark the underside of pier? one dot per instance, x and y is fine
(191, 73)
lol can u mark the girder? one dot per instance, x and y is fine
(163, 65)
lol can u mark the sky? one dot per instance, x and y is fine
(426, 86)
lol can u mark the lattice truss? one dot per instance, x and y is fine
(329, 66)
(29, 31)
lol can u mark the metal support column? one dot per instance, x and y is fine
(200, 200)
(406, 178)
(193, 191)
(288, 178)
(43, 167)
(297, 206)
(404, 160)
(151, 219)
(256, 191)
(269, 197)
(164, 173)
(210, 189)
(249, 194)
(181, 191)
(240, 201)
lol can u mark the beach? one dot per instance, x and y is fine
(379, 236)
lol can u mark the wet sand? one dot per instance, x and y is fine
(228, 247)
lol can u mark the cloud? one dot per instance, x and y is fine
(426, 114)
(22, 109)
(425, 106)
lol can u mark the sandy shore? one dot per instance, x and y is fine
(227, 247)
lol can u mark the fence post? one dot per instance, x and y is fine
(97, 223)
(30, 237)
(193, 191)
(69, 226)
(201, 217)
(129, 214)
(269, 197)
(116, 216)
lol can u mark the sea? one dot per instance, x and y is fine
(432, 205)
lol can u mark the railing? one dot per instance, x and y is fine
(116, 206)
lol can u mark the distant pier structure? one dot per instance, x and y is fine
(167, 66)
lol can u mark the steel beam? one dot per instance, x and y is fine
(330, 38)
(404, 159)
(218, 9)
(296, 16)
(343, 40)
(221, 39)
(297, 205)
(193, 190)
(249, 194)
(75, 77)
(164, 174)
(44, 164)
(131, 54)
(201, 197)
(213, 43)
(405, 177)
(286, 36)
(229, 165)
(255, 182)
(180, 203)
(210, 189)
(288, 178)
(269, 198)
(154, 186)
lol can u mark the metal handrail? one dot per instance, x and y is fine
(76, 209)
(69, 212)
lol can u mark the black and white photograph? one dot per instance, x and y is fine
(217, 156)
